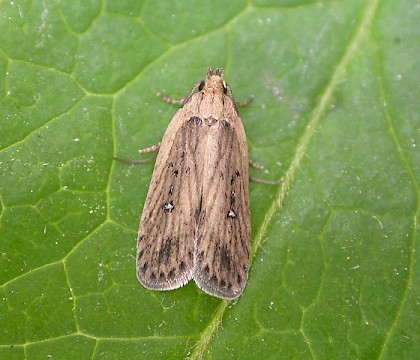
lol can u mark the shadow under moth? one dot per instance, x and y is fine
(196, 220)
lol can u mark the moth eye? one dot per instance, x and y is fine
(201, 86)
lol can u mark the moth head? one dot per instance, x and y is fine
(214, 81)
(216, 71)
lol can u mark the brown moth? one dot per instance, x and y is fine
(196, 220)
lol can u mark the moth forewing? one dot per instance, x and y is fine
(165, 245)
(196, 221)
(222, 249)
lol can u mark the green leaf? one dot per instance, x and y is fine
(336, 118)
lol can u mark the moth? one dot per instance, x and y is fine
(196, 220)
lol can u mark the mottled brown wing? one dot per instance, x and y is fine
(223, 235)
(165, 244)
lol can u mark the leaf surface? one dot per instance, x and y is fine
(336, 118)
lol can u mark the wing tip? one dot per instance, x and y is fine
(221, 291)
(163, 283)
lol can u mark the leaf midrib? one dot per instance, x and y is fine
(363, 29)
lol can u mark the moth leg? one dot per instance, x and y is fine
(171, 100)
(128, 161)
(181, 101)
(142, 151)
(245, 102)
(240, 103)
(150, 149)
(260, 167)
(263, 181)
(255, 165)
